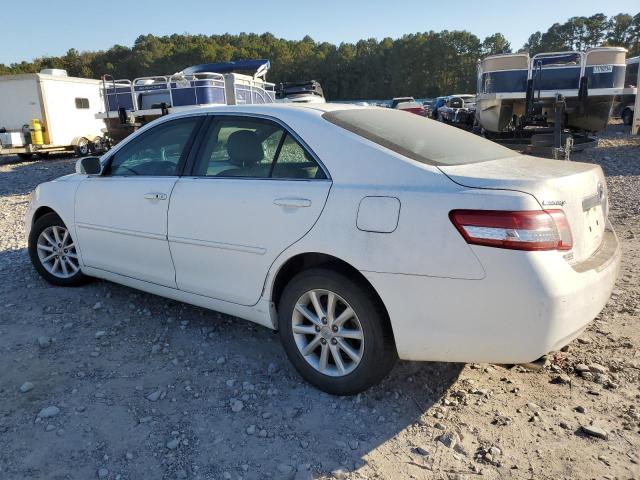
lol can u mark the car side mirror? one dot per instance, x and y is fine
(89, 166)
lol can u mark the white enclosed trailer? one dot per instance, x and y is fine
(64, 106)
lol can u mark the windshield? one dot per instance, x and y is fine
(418, 138)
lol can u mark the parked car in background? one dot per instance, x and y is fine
(408, 104)
(397, 100)
(431, 109)
(458, 110)
(362, 234)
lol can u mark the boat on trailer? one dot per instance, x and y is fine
(516, 91)
(128, 104)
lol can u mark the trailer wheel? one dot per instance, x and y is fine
(83, 147)
(97, 145)
(627, 116)
(43, 155)
(25, 156)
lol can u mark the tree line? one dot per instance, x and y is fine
(421, 64)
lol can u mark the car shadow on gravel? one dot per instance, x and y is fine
(113, 347)
(283, 426)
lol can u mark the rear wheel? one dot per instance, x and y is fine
(627, 116)
(335, 332)
(53, 252)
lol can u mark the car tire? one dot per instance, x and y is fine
(627, 116)
(47, 231)
(376, 347)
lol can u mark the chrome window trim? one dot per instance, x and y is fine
(106, 158)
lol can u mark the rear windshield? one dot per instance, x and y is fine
(417, 137)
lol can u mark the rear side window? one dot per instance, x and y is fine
(416, 137)
(253, 148)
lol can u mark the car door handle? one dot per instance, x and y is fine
(292, 202)
(155, 196)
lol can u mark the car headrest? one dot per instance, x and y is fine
(244, 148)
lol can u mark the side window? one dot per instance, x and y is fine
(295, 162)
(155, 153)
(253, 148)
(239, 147)
(82, 103)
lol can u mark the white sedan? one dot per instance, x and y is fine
(362, 234)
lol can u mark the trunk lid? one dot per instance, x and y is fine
(579, 189)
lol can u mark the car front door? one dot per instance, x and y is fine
(121, 215)
(254, 189)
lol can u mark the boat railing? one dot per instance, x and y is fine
(151, 92)
(197, 89)
(116, 94)
(253, 91)
(182, 90)
(565, 60)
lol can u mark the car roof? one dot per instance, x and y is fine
(278, 110)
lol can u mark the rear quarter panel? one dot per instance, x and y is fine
(424, 243)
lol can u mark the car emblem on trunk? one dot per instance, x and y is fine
(549, 203)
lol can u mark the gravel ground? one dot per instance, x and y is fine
(107, 382)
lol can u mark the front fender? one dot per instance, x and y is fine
(57, 195)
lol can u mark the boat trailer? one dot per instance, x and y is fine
(535, 136)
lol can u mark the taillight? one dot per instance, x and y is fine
(527, 230)
(416, 110)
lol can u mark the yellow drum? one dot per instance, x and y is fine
(37, 137)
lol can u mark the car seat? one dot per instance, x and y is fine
(245, 152)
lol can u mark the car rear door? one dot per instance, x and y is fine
(254, 190)
(121, 215)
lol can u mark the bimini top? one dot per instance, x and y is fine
(260, 67)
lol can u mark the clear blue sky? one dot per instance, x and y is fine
(50, 27)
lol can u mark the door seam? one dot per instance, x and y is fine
(175, 272)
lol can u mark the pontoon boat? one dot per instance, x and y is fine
(130, 104)
(515, 90)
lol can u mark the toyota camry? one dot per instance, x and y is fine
(361, 234)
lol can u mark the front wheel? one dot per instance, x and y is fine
(335, 332)
(53, 252)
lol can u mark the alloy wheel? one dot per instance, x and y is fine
(57, 252)
(328, 333)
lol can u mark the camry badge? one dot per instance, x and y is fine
(549, 203)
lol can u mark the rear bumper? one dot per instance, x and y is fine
(529, 303)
